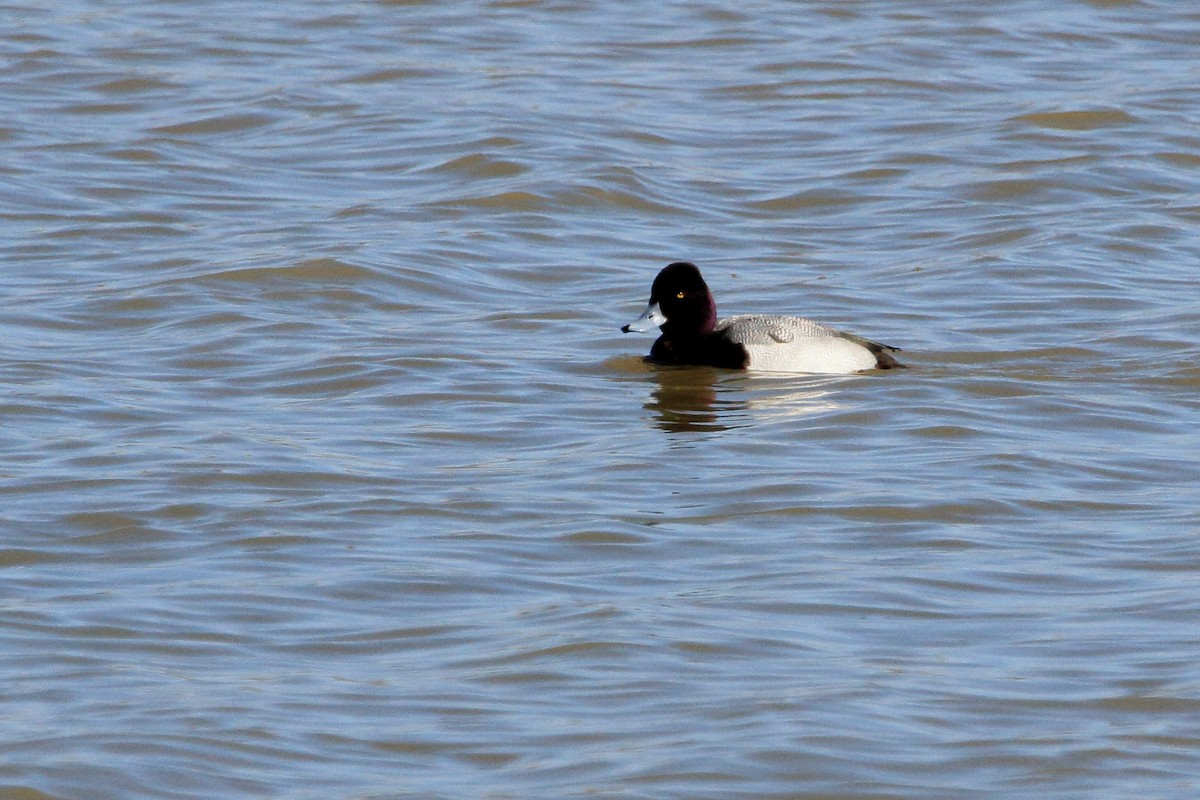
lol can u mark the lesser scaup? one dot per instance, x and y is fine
(682, 307)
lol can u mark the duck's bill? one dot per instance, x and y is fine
(651, 319)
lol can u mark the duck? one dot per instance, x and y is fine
(682, 307)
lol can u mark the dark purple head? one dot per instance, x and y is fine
(684, 299)
(683, 308)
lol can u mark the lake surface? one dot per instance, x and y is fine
(326, 471)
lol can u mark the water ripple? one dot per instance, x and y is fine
(327, 471)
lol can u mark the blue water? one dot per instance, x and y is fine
(326, 471)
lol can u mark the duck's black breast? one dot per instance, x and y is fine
(710, 350)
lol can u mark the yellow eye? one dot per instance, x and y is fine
(680, 295)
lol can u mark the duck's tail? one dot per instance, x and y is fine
(883, 356)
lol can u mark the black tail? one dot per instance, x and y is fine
(883, 356)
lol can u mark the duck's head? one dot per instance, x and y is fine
(680, 302)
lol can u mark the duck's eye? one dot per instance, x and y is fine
(680, 295)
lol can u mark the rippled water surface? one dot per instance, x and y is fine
(326, 472)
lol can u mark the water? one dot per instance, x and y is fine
(327, 473)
